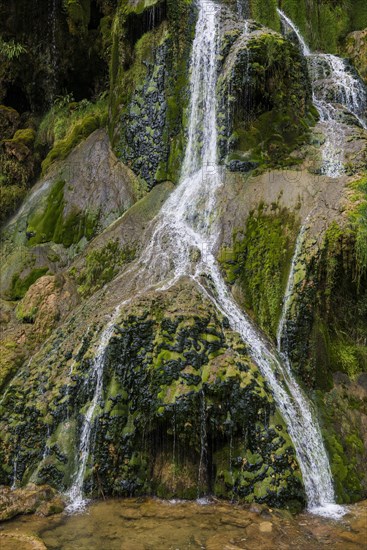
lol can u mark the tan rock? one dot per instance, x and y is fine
(31, 499)
(265, 527)
(20, 541)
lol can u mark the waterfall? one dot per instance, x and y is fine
(289, 23)
(75, 493)
(290, 287)
(188, 221)
(333, 86)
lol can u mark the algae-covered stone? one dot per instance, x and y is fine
(262, 118)
(184, 411)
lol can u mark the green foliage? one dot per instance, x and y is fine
(11, 197)
(67, 124)
(344, 445)
(325, 24)
(25, 136)
(11, 50)
(265, 12)
(259, 261)
(78, 12)
(358, 218)
(102, 266)
(20, 286)
(15, 175)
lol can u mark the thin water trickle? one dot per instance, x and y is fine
(77, 502)
(15, 468)
(334, 87)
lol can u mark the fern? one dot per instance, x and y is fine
(11, 50)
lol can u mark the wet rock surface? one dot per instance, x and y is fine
(160, 525)
(195, 413)
(32, 499)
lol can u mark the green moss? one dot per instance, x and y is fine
(259, 260)
(20, 286)
(265, 12)
(80, 131)
(344, 445)
(325, 24)
(78, 12)
(272, 114)
(25, 136)
(156, 64)
(11, 197)
(358, 218)
(102, 266)
(50, 224)
(66, 125)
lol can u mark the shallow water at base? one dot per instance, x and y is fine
(150, 524)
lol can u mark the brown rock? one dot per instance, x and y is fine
(9, 122)
(17, 150)
(356, 48)
(47, 302)
(17, 541)
(29, 500)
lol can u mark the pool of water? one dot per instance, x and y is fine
(148, 524)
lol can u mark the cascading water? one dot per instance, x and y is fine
(289, 292)
(187, 222)
(334, 87)
(75, 493)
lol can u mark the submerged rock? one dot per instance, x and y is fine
(39, 499)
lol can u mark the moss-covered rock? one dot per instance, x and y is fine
(258, 263)
(149, 86)
(356, 50)
(183, 411)
(265, 95)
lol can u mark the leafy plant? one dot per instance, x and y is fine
(11, 50)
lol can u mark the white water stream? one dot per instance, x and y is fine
(183, 240)
(334, 87)
(75, 494)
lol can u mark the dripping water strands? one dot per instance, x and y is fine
(289, 23)
(15, 473)
(335, 89)
(243, 8)
(289, 292)
(77, 502)
(53, 11)
(46, 450)
(203, 462)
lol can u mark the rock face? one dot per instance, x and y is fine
(150, 71)
(182, 409)
(32, 499)
(64, 211)
(195, 414)
(356, 49)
